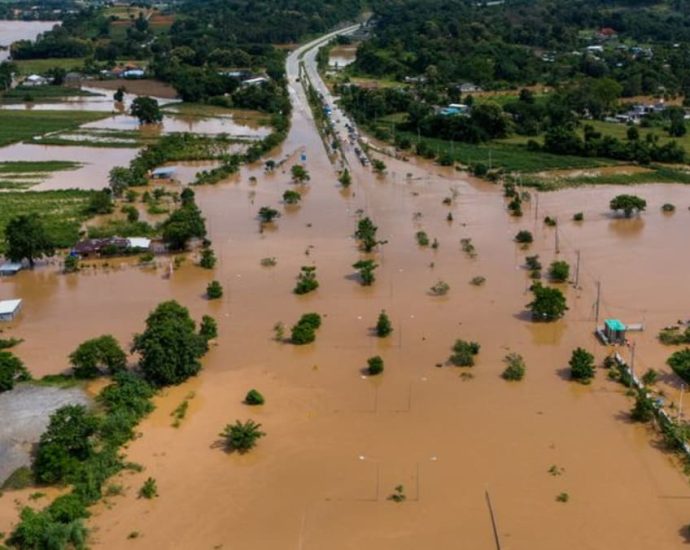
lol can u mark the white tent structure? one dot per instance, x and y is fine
(9, 309)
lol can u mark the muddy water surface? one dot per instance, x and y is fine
(11, 31)
(339, 442)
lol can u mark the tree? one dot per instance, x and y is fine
(633, 133)
(119, 95)
(100, 202)
(267, 214)
(677, 127)
(515, 367)
(42, 529)
(559, 271)
(463, 353)
(169, 347)
(299, 174)
(184, 224)
(208, 329)
(214, 290)
(306, 280)
(242, 436)
(208, 259)
(581, 365)
(120, 178)
(304, 332)
(366, 235)
(383, 325)
(378, 166)
(12, 370)
(679, 361)
(67, 441)
(524, 237)
(291, 197)
(99, 353)
(643, 410)
(253, 397)
(71, 264)
(345, 178)
(366, 271)
(27, 238)
(375, 365)
(628, 204)
(146, 109)
(548, 304)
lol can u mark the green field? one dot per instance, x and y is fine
(20, 125)
(43, 92)
(620, 131)
(22, 167)
(62, 212)
(31, 66)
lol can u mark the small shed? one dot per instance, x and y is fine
(614, 330)
(10, 268)
(9, 309)
(139, 243)
(163, 173)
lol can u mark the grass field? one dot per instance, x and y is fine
(20, 125)
(43, 92)
(31, 66)
(62, 212)
(23, 167)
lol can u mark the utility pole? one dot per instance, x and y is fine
(577, 270)
(632, 362)
(598, 300)
(536, 209)
(558, 248)
(680, 405)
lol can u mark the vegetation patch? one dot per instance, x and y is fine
(21, 125)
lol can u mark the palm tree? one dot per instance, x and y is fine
(242, 436)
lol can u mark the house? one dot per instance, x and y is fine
(139, 243)
(10, 268)
(133, 73)
(35, 80)
(97, 247)
(9, 309)
(469, 88)
(163, 173)
(606, 33)
(596, 48)
(454, 109)
(255, 81)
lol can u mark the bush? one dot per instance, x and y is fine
(71, 264)
(463, 353)
(548, 304)
(680, 363)
(668, 207)
(366, 271)
(208, 329)
(524, 237)
(422, 238)
(559, 271)
(441, 288)
(581, 365)
(533, 263)
(306, 280)
(578, 217)
(479, 280)
(643, 410)
(39, 530)
(99, 353)
(304, 332)
(208, 259)
(375, 365)
(253, 397)
(242, 436)
(214, 290)
(149, 489)
(12, 370)
(291, 197)
(515, 369)
(383, 325)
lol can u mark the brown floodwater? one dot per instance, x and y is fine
(11, 31)
(339, 442)
(342, 56)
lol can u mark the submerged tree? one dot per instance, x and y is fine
(366, 271)
(146, 109)
(366, 235)
(299, 174)
(242, 436)
(268, 214)
(345, 178)
(27, 238)
(306, 280)
(628, 204)
(99, 353)
(582, 365)
(548, 304)
(170, 347)
(383, 325)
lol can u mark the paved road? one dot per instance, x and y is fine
(307, 55)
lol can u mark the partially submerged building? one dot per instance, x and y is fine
(10, 268)
(9, 309)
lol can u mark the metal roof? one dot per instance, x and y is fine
(8, 307)
(615, 324)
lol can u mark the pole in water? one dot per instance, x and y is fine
(558, 248)
(597, 302)
(577, 270)
(493, 519)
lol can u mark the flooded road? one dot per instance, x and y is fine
(339, 442)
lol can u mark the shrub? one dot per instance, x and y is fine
(680, 363)
(253, 397)
(208, 258)
(524, 237)
(291, 197)
(422, 238)
(40, 530)
(668, 207)
(468, 248)
(269, 262)
(208, 329)
(304, 332)
(366, 271)
(306, 280)
(463, 353)
(650, 377)
(550, 222)
(515, 369)
(383, 325)
(375, 365)
(643, 410)
(12, 370)
(559, 271)
(578, 217)
(71, 264)
(581, 365)
(99, 353)
(548, 304)
(563, 497)
(149, 489)
(441, 288)
(478, 280)
(214, 290)
(267, 214)
(533, 263)
(242, 436)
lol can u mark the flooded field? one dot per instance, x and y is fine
(11, 31)
(339, 442)
(342, 56)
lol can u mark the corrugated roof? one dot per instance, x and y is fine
(615, 324)
(7, 307)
